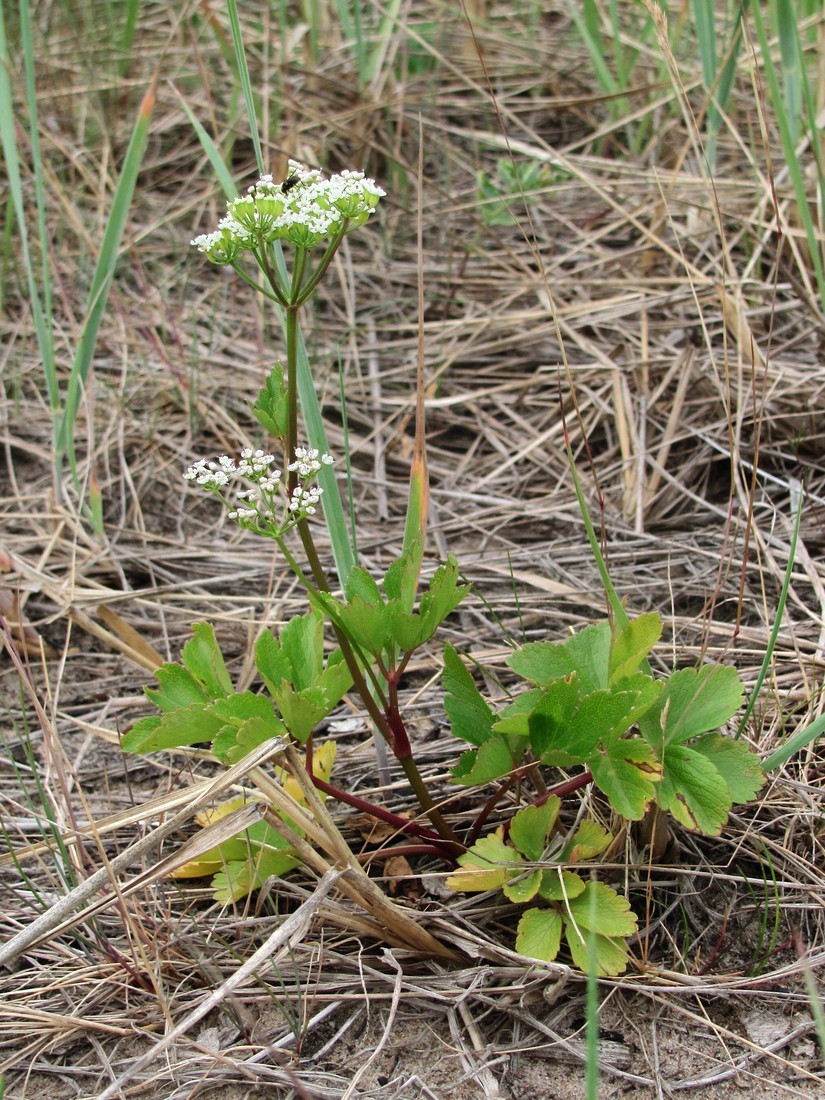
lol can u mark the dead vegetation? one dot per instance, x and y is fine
(658, 313)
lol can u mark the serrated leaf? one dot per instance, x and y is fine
(185, 726)
(362, 585)
(611, 955)
(589, 840)
(301, 711)
(735, 762)
(302, 640)
(539, 934)
(694, 791)
(601, 716)
(541, 662)
(234, 742)
(240, 878)
(632, 644)
(491, 761)
(559, 885)
(550, 719)
(530, 827)
(470, 718)
(401, 580)
(271, 408)
(178, 688)
(628, 774)
(602, 910)
(271, 662)
(485, 866)
(367, 625)
(692, 702)
(522, 888)
(590, 653)
(203, 658)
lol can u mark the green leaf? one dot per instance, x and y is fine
(470, 718)
(233, 743)
(602, 910)
(590, 653)
(539, 934)
(240, 878)
(602, 716)
(271, 408)
(627, 773)
(523, 887)
(484, 866)
(549, 720)
(735, 762)
(367, 625)
(178, 688)
(611, 955)
(401, 580)
(409, 631)
(302, 640)
(301, 711)
(693, 701)
(184, 726)
(491, 761)
(530, 828)
(541, 662)
(632, 644)
(272, 663)
(362, 585)
(558, 885)
(203, 658)
(694, 791)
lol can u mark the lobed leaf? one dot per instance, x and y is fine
(484, 866)
(482, 765)
(178, 688)
(203, 657)
(539, 934)
(530, 827)
(470, 717)
(693, 701)
(694, 791)
(631, 645)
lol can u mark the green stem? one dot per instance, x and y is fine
(291, 396)
(320, 270)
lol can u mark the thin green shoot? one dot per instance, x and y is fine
(795, 744)
(767, 935)
(591, 1079)
(787, 130)
(99, 293)
(780, 610)
(246, 83)
(39, 295)
(342, 391)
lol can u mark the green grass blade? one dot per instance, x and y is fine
(102, 279)
(795, 744)
(786, 132)
(588, 27)
(246, 84)
(780, 610)
(40, 306)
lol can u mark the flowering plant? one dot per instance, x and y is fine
(591, 704)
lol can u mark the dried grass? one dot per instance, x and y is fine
(689, 355)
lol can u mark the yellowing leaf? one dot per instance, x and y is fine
(484, 867)
(589, 840)
(323, 759)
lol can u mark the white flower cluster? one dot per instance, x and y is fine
(304, 210)
(264, 506)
